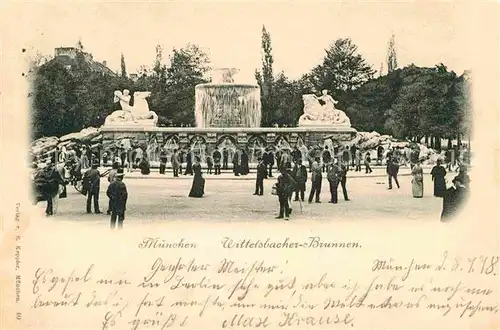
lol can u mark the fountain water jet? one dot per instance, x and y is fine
(224, 103)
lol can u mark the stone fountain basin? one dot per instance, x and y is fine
(226, 85)
(235, 130)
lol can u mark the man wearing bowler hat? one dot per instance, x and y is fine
(117, 193)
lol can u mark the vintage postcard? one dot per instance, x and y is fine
(249, 164)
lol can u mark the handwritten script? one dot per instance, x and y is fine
(179, 291)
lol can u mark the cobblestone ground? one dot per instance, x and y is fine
(227, 200)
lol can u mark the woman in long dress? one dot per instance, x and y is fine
(417, 183)
(245, 169)
(198, 187)
(144, 164)
(438, 173)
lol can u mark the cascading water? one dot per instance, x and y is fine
(256, 148)
(223, 103)
(198, 148)
(170, 146)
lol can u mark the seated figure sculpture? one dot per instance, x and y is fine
(139, 114)
(316, 114)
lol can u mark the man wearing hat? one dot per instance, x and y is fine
(117, 193)
(334, 177)
(285, 187)
(92, 180)
(454, 198)
(300, 174)
(163, 160)
(392, 170)
(49, 179)
(316, 179)
(269, 161)
(261, 175)
(217, 158)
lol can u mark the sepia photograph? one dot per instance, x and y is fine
(247, 164)
(252, 134)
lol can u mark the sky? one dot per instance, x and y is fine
(426, 34)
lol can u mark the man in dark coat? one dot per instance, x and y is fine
(225, 159)
(163, 160)
(48, 181)
(92, 180)
(316, 179)
(392, 171)
(300, 176)
(261, 175)
(296, 155)
(453, 199)
(217, 158)
(334, 176)
(117, 193)
(327, 158)
(269, 161)
(285, 187)
(345, 158)
(343, 181)
(352, 154)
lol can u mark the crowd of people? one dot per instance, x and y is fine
(67, 166)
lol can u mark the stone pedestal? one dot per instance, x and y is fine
(213, 137)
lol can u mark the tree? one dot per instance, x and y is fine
(188, 67)
(288, 103)
(392, 62)
(369, 105)
(124, 68)
(51, 100)
(425, 105)
(462, 101)
(155, 80)
(265, 79)
(343, 69)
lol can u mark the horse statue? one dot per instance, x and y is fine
(140, 110)
(139, 114)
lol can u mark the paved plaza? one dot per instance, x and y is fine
(156, 198)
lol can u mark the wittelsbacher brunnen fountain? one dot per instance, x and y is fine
(228, 115)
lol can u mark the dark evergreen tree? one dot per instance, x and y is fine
(123, 67)
(392, 62)
(265, 79)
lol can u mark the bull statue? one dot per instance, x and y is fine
(316, 114)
